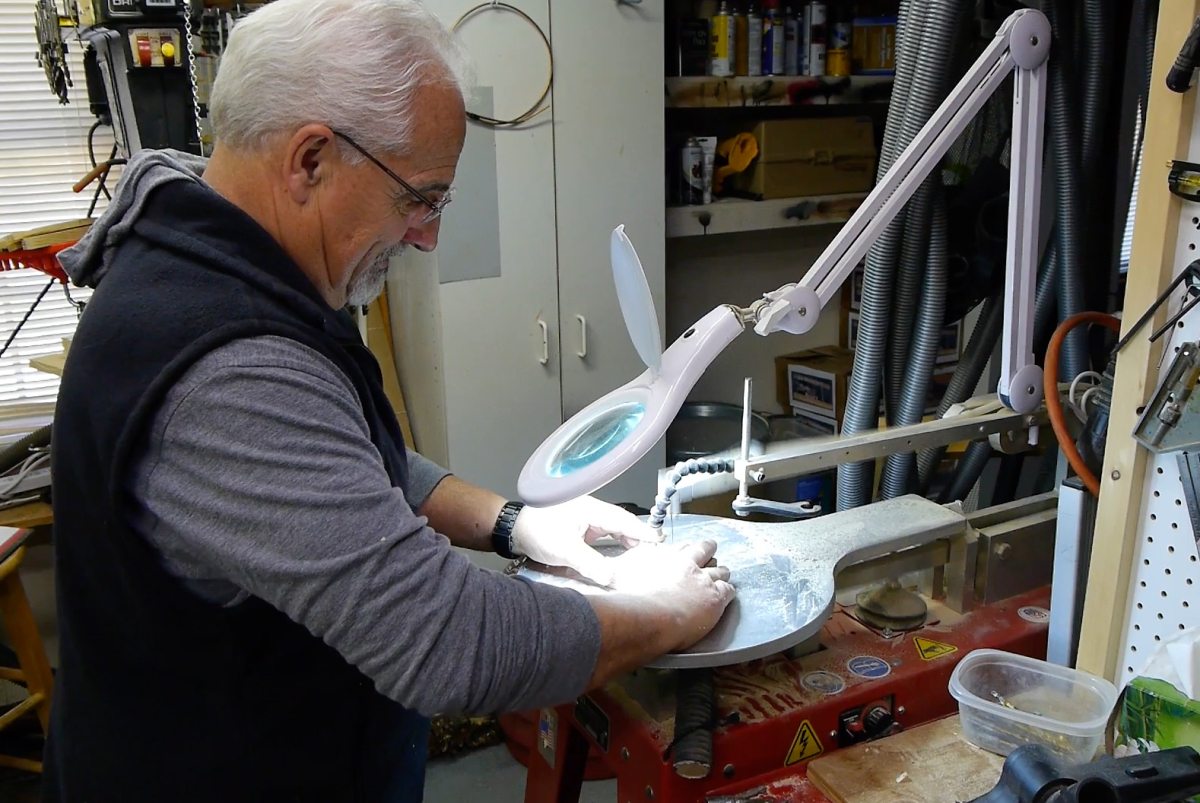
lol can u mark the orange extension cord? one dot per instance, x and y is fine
(1054, 404)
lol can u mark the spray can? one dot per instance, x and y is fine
(837, 55)
(741, 42)
(708, 147)
(805, 37)
(691, 173)
(754, 31)
(815, 58)
(720, 39)
(791, 42)
(772, 42)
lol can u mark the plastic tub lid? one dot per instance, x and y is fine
(1105, 691)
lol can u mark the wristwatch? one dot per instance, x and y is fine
(502, 533)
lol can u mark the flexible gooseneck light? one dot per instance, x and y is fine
(612, 433)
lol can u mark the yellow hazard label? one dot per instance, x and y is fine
(805, 746)
(932, 649)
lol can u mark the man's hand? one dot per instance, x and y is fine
(663, 599)
(676, 579)
(562, 535)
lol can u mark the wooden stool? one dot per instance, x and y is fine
(27, 642)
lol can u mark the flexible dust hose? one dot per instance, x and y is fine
(695, 720)
(934, 61)
(926, 338)
(966, 377)
(1064, 146)
(1054, 407)
(1097, 36)
(1095, 86)
(18, 451)
(685, 468)
(855, 480)
(901, 134)
(1147, 18)
(1045, 294)
(906, 59)
(906, 294)
(970, 468)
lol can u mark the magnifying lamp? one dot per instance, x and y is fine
(612, 433)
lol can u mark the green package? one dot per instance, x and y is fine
(1156, 716)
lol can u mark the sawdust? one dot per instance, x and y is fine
(662, 731)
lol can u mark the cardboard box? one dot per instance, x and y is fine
(952, 343)
(873, 46)
(854, 288)
(818, 423)
(811, 157)
(849, 329)
(937, 388)
(815, 381)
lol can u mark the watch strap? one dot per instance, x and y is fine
(502, 533)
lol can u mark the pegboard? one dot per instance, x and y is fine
(1165, 588)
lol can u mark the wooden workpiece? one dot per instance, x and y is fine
(1153, 264)
(929, 764)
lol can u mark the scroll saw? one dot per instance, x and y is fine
(793, 670)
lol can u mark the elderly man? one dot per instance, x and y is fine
(257, 592)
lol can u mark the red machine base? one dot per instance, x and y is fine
(777, 714)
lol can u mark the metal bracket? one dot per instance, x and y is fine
(748, 505)
(1171, 419)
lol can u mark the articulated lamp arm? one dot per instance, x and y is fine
(611, 434)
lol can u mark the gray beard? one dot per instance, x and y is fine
(367, 286)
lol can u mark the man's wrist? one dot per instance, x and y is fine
(503, 542)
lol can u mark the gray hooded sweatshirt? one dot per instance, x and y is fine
(259, 462)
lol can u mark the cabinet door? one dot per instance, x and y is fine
(485, 397)
(608, 169)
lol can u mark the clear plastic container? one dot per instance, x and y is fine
(1007, 700)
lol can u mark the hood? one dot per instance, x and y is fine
(87, 261)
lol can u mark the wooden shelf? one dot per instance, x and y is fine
(706, 92)
(735, 214)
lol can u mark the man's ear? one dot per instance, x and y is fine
(307, 157)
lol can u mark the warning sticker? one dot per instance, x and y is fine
(823, 683)
(805, 746)
(868, 666)
(1032, 613)
(930, 649)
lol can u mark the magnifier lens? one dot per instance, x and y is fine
(597, 438)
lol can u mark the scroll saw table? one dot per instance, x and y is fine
(798, 675)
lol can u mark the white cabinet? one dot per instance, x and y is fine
(608, 168)
(471, 355)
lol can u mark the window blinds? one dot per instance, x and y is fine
(43, 152)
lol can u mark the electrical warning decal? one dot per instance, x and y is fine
(930, 650)
(805, 746)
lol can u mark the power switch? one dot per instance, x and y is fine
(877, 722)
(144, 55)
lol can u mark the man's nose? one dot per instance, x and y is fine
(425, 236)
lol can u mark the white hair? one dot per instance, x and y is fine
(354, 65)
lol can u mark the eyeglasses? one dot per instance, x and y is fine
(435, 208)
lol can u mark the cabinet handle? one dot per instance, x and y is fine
(582, 336)
(545, 358)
